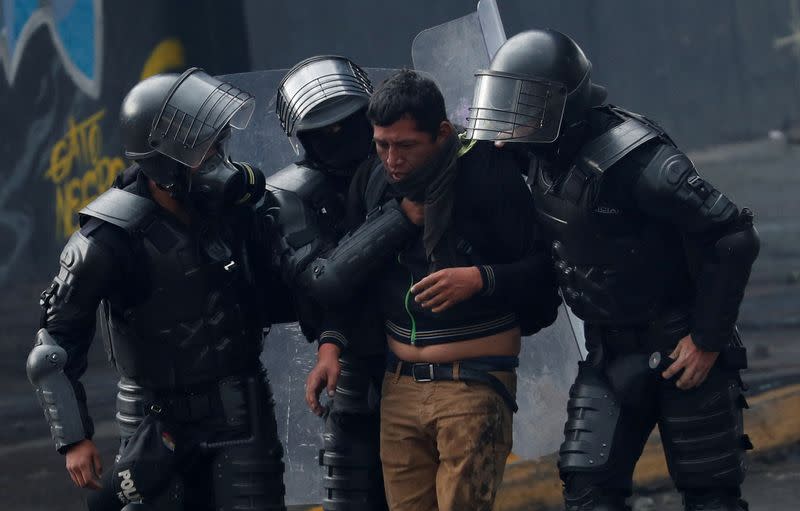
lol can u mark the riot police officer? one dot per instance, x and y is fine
(170, 254)
(321, 105)
(650, 255)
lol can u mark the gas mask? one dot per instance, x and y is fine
(219, 184)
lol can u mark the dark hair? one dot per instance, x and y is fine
(408, 93)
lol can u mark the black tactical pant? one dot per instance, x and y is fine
(616, 402)
(208, 451)
(353, 479)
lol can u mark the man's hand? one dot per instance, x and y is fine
(695, 363)
(441, 290)
(413, 210)
(83, 465)
(324, 374)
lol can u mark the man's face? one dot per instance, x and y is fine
(403, 148)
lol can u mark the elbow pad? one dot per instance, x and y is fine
(671, 189)
(332, 279)
(45, 368)
(296, 239)
(722, 281)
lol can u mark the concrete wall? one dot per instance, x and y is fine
(710, 72)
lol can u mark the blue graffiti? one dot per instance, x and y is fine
(76, 29)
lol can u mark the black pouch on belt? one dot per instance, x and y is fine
(148, 461)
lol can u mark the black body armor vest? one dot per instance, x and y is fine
(615, 266)
(196, 316)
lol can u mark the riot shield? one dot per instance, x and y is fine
(287, 356)
(452, 53)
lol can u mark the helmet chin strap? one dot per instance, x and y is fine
(168, 175)
(568, 143)
(174, 191)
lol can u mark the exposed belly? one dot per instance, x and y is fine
(501, 344)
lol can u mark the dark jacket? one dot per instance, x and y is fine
(492, 228)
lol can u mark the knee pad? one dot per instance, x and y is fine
(703, 437)
(592, 417)
(351, 458)
(351, 444)
(249, 477)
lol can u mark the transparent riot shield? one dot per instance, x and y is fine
(548, 365)
(451, 53)
(287, 356)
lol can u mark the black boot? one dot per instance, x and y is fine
(714, 501)
(595, 499)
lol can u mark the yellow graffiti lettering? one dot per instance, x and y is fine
(82, 142)
(67, 199)
(60, 161)
(80, 148)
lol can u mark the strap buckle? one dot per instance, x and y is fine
(424, 378)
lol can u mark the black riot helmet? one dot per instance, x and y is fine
(140, 106)
(170, 122)
(321, 103)
(537, 85)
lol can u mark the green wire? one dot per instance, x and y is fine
(413, 321)
(408, 311)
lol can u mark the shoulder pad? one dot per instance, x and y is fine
(82, 253)
(627, 114)
(599, 154)
(299, 179)
(84, 264)
(119, 207)
(670, 187)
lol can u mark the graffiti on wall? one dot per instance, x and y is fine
(66, 66)
(76, 27)
(77, 167)
(79, 170)
(26, 146)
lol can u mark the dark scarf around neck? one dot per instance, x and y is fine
(432, 185)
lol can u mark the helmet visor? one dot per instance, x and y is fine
(194, 115)
(319, 80)
(515, 109)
